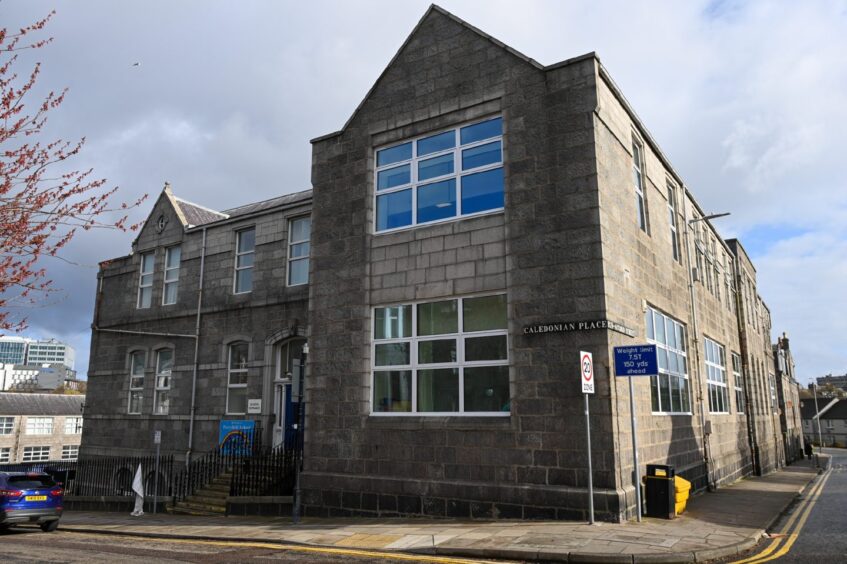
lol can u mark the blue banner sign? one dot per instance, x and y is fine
(236, 437)
(636, 360)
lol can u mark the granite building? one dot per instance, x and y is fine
(477, 222)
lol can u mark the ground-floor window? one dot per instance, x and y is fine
(669, 389)
(70, 452)
(236, 397)
(5, 454)
(36, 453)
(447, 356)
(162, 393)
(716, 376)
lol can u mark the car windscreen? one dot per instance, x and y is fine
(31, 482)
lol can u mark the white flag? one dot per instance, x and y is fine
(138, 482)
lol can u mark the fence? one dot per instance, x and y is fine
(269, 473)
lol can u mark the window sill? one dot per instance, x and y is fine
(455, 422)
(672, 413)
(438, 222)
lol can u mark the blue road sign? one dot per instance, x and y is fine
(636, 360)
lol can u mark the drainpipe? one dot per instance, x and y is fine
(196, 352)
(692, 296)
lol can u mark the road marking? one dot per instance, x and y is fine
(787, 534)
(323, 550)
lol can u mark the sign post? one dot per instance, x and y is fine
(157, 440)
(636, 360)
(587, 378)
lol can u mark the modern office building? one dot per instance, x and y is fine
(22, 350)
(477, 222)
(36, 377)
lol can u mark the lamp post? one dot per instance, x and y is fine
(694, 326)
(818, 417)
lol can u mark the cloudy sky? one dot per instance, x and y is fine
(746, 98)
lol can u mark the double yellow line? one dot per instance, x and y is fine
(784, 540)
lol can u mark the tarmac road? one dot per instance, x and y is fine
(815, 530)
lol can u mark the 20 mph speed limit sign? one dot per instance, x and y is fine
(586, 366)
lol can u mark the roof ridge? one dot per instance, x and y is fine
(184, 201)
(266, 200)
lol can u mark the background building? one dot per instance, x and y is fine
(39, 427)
(833, 421)
(22, 350)
(34, 377)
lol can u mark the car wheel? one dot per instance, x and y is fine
(50, 526)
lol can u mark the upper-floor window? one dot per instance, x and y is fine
(73, 425)
(171, 287)
(145, 280)
(672, 213)
(454, 173)
(738, 380)
(716, 375)
(236, 399)
(669, 389)
(638, 179)
(245, 251)
(162, 392)
(39, 425)
(137, 364)
(6, 425)
(299, 233)
(449, 356)
(772, 384)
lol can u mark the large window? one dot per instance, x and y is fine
(236, 399)
(638, 180)
(136, 382)
(299, 233)
(172, 258)
(672, 213)
(449, 174)
(6, 425)
(70, 452)
(738, 380)
(39, 425)
(164, 366)
(669, 389)
(772, 385)
(145, 280)
(716, 375)
(442, 357)
(36, 454)
(73, 425)
(245, 251)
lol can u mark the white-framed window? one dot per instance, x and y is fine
(70, 452)
(162, 392)
(716, 376)
(5, 454)
(236, 398)
(39, 425)
(245, 254)
(36, 454)
(299, 235)
(669, 389)
(677, 256)
(738, 380)
(137, 363)
(7, 424)
(638, 180)
(443, 357)
(73, 425)
(441, 176)
(145, 280)
(772, 384)
(170, 290)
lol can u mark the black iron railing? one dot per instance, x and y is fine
(269, 473)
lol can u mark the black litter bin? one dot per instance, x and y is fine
(659, 491)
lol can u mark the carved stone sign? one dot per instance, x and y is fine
(574, 326)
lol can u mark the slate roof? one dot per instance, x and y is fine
(837, 411)
(198, 215)
(285, 200)
(40, 404)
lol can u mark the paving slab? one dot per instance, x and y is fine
(716, 524)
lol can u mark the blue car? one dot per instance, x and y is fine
(30, 497)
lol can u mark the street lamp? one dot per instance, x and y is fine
(818, 417)
(694, 326)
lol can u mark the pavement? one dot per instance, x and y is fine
(715, 525)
